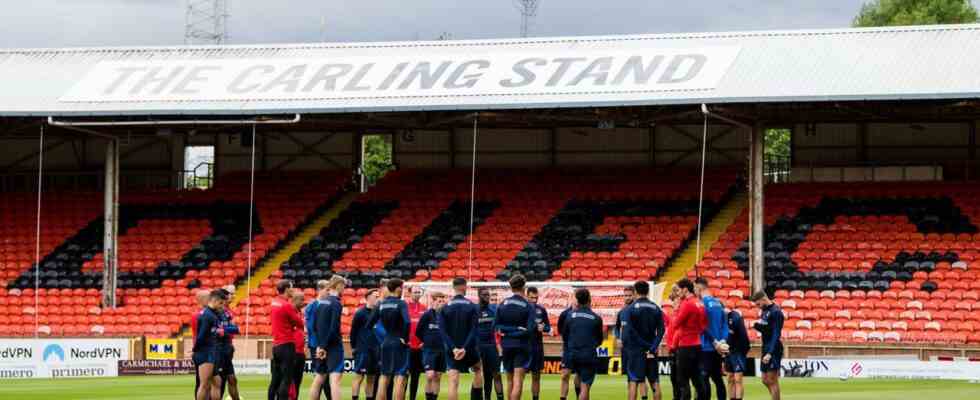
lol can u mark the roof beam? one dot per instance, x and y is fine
(33, 155)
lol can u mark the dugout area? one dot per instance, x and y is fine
(575, 145)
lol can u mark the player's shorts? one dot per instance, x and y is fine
(537, 360)
(469, 360)
(395, 359)
(516, 357)
(566, 360)
(490, 358)
(639, 368)
(367, 362)
(775, 363)
(226, 366)
(434, 360)
(584, 366)
(207, 357)
(735, 363)
(333, 364)
(710, 363)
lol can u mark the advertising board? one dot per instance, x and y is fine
(61, 358)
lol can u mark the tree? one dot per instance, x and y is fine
(377, 157)
(915, 12)
(777, 143)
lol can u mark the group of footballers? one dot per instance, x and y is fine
(704, 341)
(394, 342)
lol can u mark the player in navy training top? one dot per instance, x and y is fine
(738, 350)
(566, 372)
(629, 294)
(770, 325)
(643, 330)
(515, 322)
(487, 344)
(366, 347)
(542, 326)
(206, 352)
(328, 362)
(584, 332)
(433, 349)
(459, 317)
(393, 315)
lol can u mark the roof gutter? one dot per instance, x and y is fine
(255, 121)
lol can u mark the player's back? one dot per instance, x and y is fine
(393, 315)
(646, 320)
(515, 321)
(717, 326)
(330, 312)
(458, 318)
(583, 330)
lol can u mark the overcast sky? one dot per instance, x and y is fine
(70, 23)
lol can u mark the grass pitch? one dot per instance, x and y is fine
(606, 388)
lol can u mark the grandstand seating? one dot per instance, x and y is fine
(542, 223)
(848, 263)
(863, 262)
(162, 262)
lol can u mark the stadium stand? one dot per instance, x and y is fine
(908, 279)
(863, 262)
(155, 278)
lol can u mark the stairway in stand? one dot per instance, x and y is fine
(272, 264)
(709, 235)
